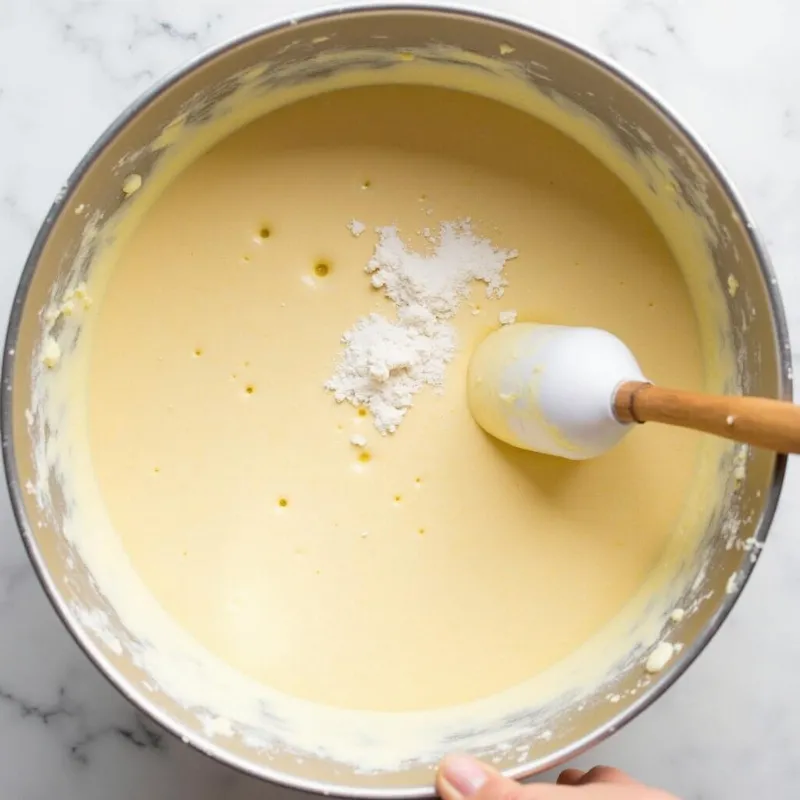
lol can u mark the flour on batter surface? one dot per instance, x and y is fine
(384, 364)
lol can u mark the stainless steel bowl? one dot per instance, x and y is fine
(631, 115)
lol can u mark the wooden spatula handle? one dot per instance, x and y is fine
(772, 424)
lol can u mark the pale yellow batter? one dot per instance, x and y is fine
(228, 471)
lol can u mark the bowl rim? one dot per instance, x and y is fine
(62, 200)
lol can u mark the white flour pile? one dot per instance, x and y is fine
(438, 282)
(385, 363)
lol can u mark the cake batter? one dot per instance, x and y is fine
(426, 568)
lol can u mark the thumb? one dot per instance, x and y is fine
(461, 777)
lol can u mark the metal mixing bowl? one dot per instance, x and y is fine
(630, 113)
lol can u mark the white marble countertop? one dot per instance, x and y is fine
(730, 729)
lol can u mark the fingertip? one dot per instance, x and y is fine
(570, 777)
(460, 776)
(602, 774)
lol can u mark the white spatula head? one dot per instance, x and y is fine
(550, 388)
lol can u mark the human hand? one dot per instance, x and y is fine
(461, 777)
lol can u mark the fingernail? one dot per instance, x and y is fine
(465, 775)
